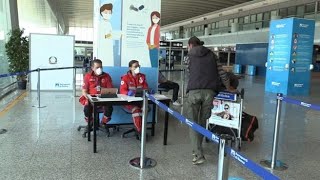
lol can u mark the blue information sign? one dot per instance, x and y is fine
(290, 56)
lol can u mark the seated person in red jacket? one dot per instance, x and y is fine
(93, 82)
(129, 83)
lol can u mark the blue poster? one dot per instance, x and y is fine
(110, 35)
(289, 56)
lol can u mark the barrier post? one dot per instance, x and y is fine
(142, 161)
(74, 81)
(182, 84)
(274, 164)
(223, 161)
(38, 90)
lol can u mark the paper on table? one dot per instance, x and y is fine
(130, 98)
(159, 96)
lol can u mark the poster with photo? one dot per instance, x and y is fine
(225, 113)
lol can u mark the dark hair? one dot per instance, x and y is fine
(157, 14)
(106, 7)
(226, 105)
(133, 62)
(96, 61)
(195, 41)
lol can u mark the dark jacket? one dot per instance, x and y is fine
(204, 70)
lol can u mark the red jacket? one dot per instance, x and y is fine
(130, 82)
(91, 81)
(156, 36)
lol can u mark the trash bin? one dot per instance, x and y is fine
(237, 69)
(251, 70)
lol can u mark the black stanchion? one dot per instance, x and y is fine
(274, 163)
(38, 90)
(143, 161)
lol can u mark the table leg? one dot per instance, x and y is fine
(95, 117)
(166, 118)
(89, 127)
(153, 119)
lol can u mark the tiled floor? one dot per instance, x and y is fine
(44, 143)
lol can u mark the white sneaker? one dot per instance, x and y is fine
(176, 103)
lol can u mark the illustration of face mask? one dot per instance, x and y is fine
(106, 16)
(98, 71)
(137, 70)
(155, 20)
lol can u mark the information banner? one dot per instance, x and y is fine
(225, 113)
(52, 51)
(141, 26)
(290, 56)
(127, 30)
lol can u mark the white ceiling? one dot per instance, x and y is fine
(79, 13)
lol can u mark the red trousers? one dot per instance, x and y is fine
(136, 116)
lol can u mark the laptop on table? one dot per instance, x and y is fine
(109, 93)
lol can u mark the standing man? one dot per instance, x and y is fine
(202, 86)
(93, 82)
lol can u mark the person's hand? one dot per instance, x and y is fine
(130, 93)
(232, 90)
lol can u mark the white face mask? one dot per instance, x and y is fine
(137, 70)
(156, 20)
(106, 16)
(98, 71)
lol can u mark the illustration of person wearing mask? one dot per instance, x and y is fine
(106, 35)
(153, 38)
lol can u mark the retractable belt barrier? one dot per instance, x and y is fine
(299, 103)
(274, 163)
(255, 168)
(167, 70)
(16, 73)
(35, 70)
(44, 69)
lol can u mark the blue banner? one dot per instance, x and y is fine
(226, 96)
(255, 168)
(300, 103)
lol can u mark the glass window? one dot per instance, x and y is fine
(259, 17)
(225, 23)
(266, 16)
(241, 20)
(318, 6)
(300, 11)
(246, 19)
(292, 11)
(274, 13)
(217, 25)
(310, 8)
(253, 18)
(213, 25)
(220, 23)
(235, 20)
(230, 22)
(283, 12)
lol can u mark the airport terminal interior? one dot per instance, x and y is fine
(39, 124)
